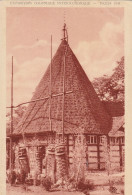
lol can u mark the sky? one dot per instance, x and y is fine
(96, 36)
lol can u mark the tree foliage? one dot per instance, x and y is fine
(111, 88)
(17, 115)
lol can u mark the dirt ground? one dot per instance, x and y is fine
(35, 190)
(100, 181)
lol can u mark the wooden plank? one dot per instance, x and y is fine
(101, 147)
(92, 148)
(102, 154)
(92, 166)
(114, 153)
(102, 160)
(91, 144)
(115, 159)
(91, 163)
(93, 151)
(114, 148)
(93, 160)
(93, 157)
(115, 156)
(93, 154)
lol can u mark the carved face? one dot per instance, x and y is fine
(22, 152)
(51, 148)
(60, 150)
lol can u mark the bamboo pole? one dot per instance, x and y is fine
(50, 89)
(63, 103)
(40, 99)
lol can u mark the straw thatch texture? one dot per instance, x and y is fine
(117, 124)
(115, 109)
(83, 110)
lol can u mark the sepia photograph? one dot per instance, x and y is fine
(65, 126)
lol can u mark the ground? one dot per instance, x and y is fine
(100, 181)
(34, 190)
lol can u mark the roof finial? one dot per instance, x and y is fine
(65, 34)
(64, 31)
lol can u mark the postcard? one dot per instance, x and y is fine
(65, 97)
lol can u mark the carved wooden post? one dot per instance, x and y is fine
(50, 162)
(39, 160)
(23, 159)
(61, 164)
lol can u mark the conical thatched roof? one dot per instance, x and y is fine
(83, 110)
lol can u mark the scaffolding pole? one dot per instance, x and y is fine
(63, 103)
(11, 128)
(50, 89)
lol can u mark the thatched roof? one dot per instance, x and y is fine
(117, 127)
(115, 109)
(83, 111)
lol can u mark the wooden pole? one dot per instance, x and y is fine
(64, 67)
(50, 88)
(11, 129)
(108, 159)
(120, 153)
(63, 103)
(40, 99)
(98, 152)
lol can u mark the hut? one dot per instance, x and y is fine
(117, 135)
(64, 106)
